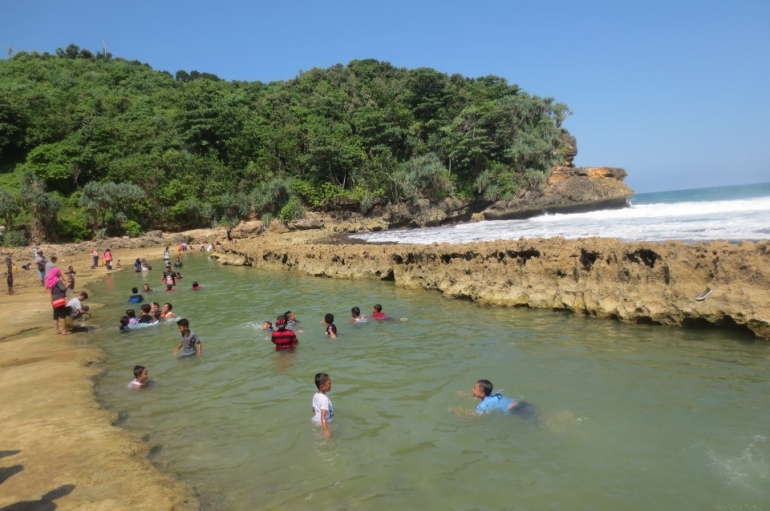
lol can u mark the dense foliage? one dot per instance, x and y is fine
(112, 143)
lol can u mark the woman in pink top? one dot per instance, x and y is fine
(108, 258)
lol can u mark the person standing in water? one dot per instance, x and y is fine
(323, 411)
(283, 338)
(190, 342)
(167, 256)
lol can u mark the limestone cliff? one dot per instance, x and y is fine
(653, 283)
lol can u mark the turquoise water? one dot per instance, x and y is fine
(713, 194)
(635, 417)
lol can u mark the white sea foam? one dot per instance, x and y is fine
(747, 219)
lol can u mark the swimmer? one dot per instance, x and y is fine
(146, 289)
(178, 262)
(196, 286)
(135, 296)
(357, 317)
(124, 324)
(291, 319)
(331, 329)
(266, 325)
(131, 315)
(146, 317)
(138, 265)
(377, 312)
(165, 312)
(141, 378)
(497, 403)
(155, 310)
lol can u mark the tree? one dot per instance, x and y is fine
(9, 208)
(41, 205)
(424, 177)
(101, 198)
(97, 201)
(12, 126)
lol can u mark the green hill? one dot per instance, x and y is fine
(114, 146)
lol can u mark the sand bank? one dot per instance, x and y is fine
(55, 440)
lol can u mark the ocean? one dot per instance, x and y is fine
(729, 213)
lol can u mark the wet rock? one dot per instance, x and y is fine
(651, 283)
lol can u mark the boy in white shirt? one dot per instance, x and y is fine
(323, 411)
(141, 377)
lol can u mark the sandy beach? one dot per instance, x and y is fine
(56, 443)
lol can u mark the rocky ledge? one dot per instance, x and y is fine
(646, 283)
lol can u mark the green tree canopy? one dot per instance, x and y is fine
(203, 150)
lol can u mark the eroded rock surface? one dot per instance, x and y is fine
(632, 282)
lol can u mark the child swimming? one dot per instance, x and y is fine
(331, 329)
(377, 312)
(141, 378)
(355, 312)
(497, 402)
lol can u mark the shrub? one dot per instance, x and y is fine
(132, 228)
(15, 239)
(292, 210)
(74, 227)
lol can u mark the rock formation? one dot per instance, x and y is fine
(653, 283)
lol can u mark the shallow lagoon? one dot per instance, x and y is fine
(638, 417)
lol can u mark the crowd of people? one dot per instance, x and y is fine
(282, 333)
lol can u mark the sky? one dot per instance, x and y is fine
(675, 92)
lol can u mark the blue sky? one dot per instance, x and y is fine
(675, 92)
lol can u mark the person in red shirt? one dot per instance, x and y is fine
(377, 312)
(282, 338)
